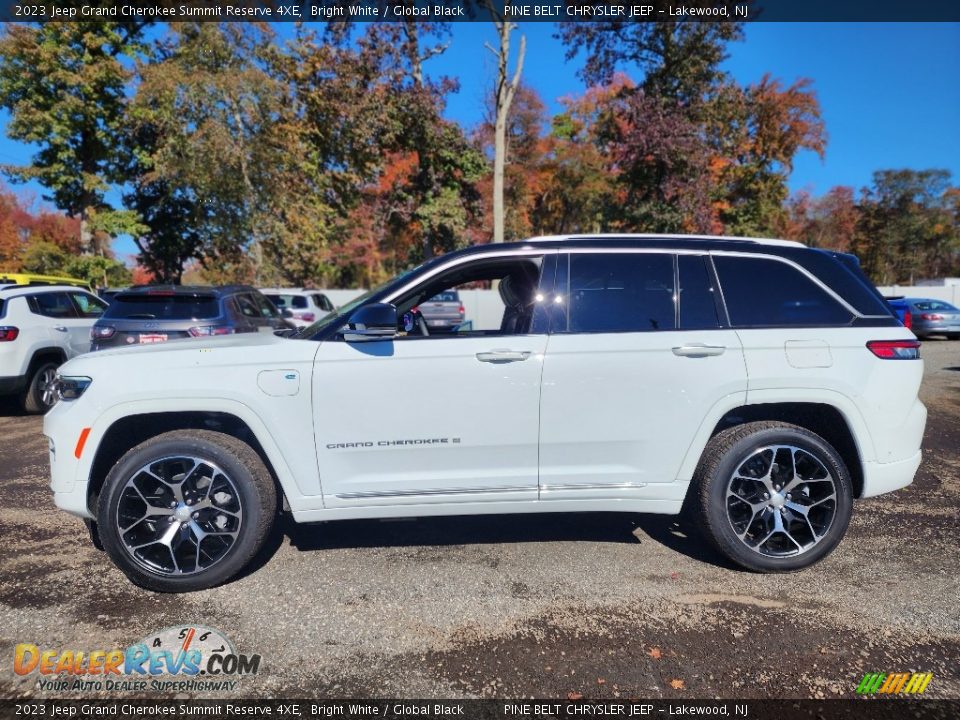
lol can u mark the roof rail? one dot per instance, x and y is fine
(600, 237)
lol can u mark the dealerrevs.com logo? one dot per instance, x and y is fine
(894, 683)
(180, 659)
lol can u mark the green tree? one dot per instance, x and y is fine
(64, 84)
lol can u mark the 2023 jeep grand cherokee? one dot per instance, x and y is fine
(761, 385)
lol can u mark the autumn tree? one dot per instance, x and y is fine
(64, 84)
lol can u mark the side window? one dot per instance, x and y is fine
(621, 292)
(264, 306)
(760, 292)
(698, 305)
(247, 307)
(87, 305)
(53, 305)
(323, 302)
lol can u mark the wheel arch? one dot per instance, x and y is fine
(128, 431)
(45, 354)
(824, 419)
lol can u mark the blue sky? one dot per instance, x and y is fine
(889, 92)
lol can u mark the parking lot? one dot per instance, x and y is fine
(599, 605)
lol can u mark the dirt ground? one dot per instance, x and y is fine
(542, 606)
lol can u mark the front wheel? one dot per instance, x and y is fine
(41, 394)
(773, 497)
(186, 510)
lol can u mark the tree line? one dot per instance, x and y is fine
(325, 157)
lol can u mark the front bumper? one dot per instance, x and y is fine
(74, 501)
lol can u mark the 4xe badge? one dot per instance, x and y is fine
(179, 659)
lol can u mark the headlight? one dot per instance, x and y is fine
(70, 388)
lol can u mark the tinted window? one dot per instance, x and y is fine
(288, 301)
(247, 307)
(55, 305)
(266, 309)
(323, 302)
(629, 292)
(770, 293)
(163, 307)
(445, 296)
(88, 305)
(698, 307)
(935, 305)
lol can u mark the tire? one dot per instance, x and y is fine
(212, 504)
(41, 393)
(739, 465)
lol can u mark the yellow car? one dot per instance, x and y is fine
(30, 279)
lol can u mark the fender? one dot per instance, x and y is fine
(295, 488)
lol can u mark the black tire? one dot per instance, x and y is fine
(727, 453)
(39, 396)
(243, 470)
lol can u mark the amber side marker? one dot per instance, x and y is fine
(81, 441)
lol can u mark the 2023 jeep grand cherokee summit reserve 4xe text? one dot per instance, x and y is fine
(760, 386)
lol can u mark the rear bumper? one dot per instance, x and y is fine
(880, 478)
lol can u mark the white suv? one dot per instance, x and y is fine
(760, 386)
(40, 328)
(304, 306)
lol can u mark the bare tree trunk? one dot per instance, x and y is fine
(505, 90)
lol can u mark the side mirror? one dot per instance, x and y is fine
(377, 321)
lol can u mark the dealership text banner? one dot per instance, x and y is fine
(482, 11)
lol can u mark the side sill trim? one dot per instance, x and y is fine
(441, 491)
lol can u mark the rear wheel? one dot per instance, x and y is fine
(41, 394)
(186, 510)
(773, 497)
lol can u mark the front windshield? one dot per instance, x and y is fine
(345, 311)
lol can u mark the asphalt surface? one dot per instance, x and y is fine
(602, 606)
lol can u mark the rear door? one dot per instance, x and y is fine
(630, 373)
(65, 327)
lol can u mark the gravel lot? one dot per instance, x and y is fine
(602, 605)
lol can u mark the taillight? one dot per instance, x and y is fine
(908, 319)
(208, 330)
(462, 311)
(8, 334)
(102, 332)
(931, 316)
(308, 316)
(895, 349)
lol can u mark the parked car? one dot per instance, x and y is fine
(933, 317)
(758, 386)
(305, 306)
(108, 293)
(150, 314)
(443, 312)
(40, 328)
(901, 308)
(33, 279)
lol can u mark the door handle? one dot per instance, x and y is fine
(698, 350)
(61, 328)
(503, 356)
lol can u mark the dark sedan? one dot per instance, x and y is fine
(158, 313)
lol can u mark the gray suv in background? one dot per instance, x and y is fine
(157, 313)
(443, 312)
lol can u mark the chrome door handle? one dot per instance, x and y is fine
(503, 356)
(698, 350)
(61, 328)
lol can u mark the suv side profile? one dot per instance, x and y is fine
(42, 326)
(149, 314)
(305, 306)
(757, 386)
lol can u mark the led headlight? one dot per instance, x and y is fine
(70, 388)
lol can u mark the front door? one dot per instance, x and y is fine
(426, 418)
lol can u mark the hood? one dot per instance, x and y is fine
(192, 345)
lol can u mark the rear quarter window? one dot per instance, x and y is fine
(163, 307)
(52, 305)
(762, 292)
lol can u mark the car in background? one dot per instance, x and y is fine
(443, 312)
(108, 293)
(41, 327)
(305, 306)
(33, 279)
(901, 308)
(148, 314)
(933, 317)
